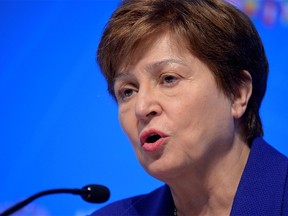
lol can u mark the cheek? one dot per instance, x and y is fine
(218, 117)
(123, 118)
(204, 112)
(128, 123)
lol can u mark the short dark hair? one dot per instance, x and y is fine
(215, 31)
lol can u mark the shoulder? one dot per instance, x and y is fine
(285, 200)
(263, 186)
(264, 158)
(158, 202)
(277, 165)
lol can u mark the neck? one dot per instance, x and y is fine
(210, 190)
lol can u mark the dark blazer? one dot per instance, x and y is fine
(263, 189)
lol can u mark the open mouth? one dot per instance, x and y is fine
(152, 138)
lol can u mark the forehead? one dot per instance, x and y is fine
(150, 45)
(150, 67)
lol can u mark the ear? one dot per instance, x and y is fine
(241, 99)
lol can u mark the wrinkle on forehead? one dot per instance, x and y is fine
(148, 43)
(150, 68)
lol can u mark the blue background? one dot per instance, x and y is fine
(59, 126)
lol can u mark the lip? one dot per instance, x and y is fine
(152, 146)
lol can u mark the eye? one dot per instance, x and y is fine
(125, 93)
(169, 80)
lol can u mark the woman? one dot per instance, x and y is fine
(189, 77)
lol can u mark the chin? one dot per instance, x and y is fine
(161, 170)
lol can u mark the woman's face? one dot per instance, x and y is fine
(172, 111)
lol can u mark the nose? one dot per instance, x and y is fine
(147, 105)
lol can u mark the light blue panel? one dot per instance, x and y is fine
(58, 125)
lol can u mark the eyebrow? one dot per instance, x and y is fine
(149, 68)
(155, 65)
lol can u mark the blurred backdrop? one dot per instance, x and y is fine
(58, 125)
